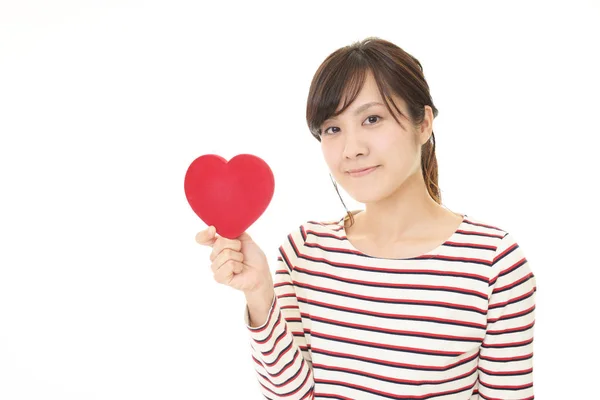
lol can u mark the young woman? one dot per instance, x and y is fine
(403, 300)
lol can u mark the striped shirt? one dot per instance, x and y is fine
(454, 323)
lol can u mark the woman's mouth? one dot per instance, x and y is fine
(362, 172)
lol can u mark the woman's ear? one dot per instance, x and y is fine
(425, 130)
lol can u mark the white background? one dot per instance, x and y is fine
(104, 294)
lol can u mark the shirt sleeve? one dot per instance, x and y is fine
(506, 354)
(280, 348)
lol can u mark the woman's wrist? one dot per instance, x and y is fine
(260, 296)
(259, 303)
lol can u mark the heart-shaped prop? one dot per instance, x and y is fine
(229, 195)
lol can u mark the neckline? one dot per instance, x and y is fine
(436, 250)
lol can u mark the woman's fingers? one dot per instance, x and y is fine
(227, 270)
(221, 244)
(224, 257)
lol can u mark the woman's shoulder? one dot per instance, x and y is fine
(308, 234)
(327, 226)
(309, 231)
(334, 223)
(501, 239)
(483, 226)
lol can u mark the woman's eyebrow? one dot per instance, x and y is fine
(361, 108)
(366, 106)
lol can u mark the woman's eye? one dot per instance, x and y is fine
(372, 116)
(324, 132)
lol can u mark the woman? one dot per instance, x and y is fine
(405, 299)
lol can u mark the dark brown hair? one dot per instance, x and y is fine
(343, 74)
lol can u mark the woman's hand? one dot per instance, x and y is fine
(238, 263)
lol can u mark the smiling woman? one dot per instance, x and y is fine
(391, 120)
(404, 299)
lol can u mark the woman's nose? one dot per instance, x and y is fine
(354, 145)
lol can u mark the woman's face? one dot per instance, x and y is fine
(363, 137)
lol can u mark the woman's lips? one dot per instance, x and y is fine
(362, 172)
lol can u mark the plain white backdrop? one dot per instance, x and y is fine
(105, 295)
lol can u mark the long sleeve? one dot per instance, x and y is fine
(506, 354)
(279, 346)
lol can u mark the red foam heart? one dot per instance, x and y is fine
(229, 195)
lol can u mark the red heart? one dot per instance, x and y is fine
(229, 195)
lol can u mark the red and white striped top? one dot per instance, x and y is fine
(454, 323)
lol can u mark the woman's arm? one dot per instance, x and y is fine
(279, 345)
(506, 354)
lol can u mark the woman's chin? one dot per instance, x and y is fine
(365, 196)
